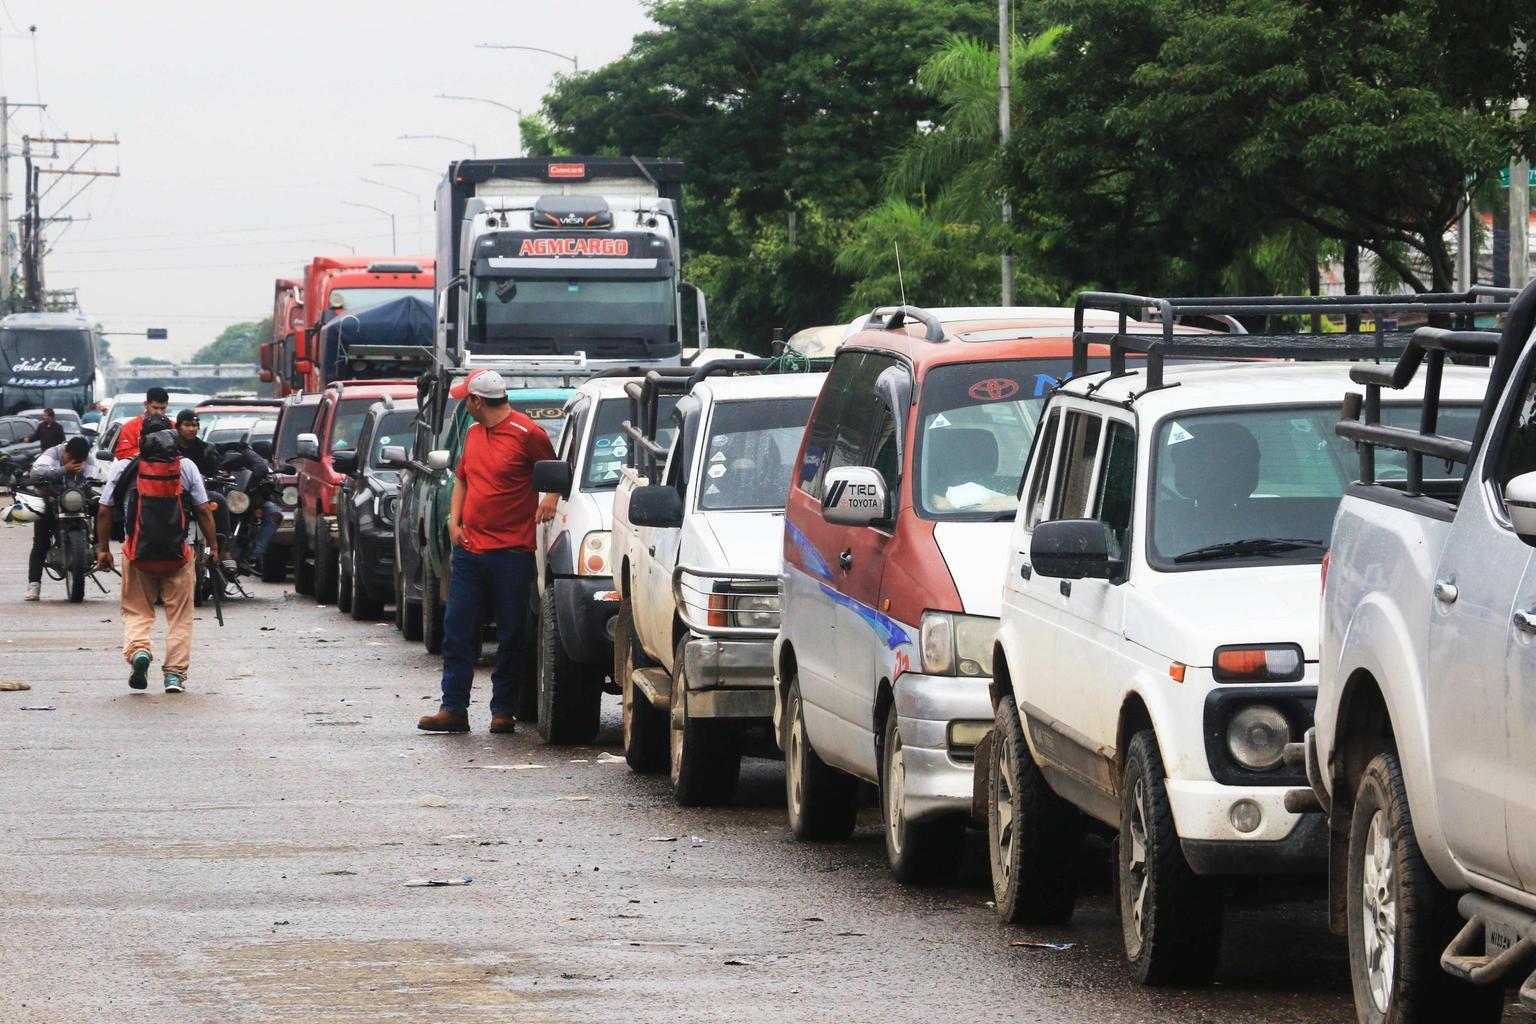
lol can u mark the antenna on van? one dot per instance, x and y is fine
(899, 279)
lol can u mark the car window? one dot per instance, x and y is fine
(1117, 482)
(1045, 458)
(821, 430)
(348, 423)
(392, 428)
(1519, 453)
(750, 453)
(860, 416)
(1080, 453)
(607, 445)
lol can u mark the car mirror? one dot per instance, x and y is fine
(1073, 549)
(657, 505)
(262, 448)
(306, 446)
(552, 476)
(1520, 500)
(344, 463)
(855, 496)
(394, 456)
(439, 460)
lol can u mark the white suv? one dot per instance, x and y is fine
(1158, 643)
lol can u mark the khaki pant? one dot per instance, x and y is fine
(139, 593)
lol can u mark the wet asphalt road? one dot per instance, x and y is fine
(237, 854)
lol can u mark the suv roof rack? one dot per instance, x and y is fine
(1165, 314)
(1360, 417)
(892, 318)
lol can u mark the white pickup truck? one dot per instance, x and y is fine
(697, 529)
(1423, 751)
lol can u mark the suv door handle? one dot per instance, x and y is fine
(1445, 592)
(845, 560)
(653, 550)
(1525, 622)
(1026, 570)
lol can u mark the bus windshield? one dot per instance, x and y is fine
(45, 368)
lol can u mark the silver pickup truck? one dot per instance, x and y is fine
(1423, 751)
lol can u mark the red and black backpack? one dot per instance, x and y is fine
(155, 518)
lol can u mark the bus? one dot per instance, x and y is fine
(47, 360)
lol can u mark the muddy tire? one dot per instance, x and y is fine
(326, 567)
(303, 565)
(704, 754)
(823, 802)
(344, 578)
(645, 728)
(1033, 836)
(570, 693)
(363, 606)
(919, 852)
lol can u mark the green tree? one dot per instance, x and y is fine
(145, 361)
(236, 343)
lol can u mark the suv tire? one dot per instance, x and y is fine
(431, 609)
(1033, 836)
(363, 605)
(703, 752)
(570, 693)
(645, 728)
(918, 852)
(823, 802)
(303, 567)
(325, 567)
(1415, 990)
(344, 578)
(1171, 918)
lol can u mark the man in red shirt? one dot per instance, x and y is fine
(491, 521)
(156, 400)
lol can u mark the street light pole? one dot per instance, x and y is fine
(394, 245)
(446, 138)
(415, 196)
(495, 103)
(575, 65)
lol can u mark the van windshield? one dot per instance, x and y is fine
(976, 425)
(1261, 486)
(750, 453)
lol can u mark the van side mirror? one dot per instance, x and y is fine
(393, 456)
(552, 476)
(438, 461)
(1074, 549)
(306, 446)
(1520, 499)
(657, 505)
(855, 496)
(344, 463)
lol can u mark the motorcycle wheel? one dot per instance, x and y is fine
(76, 564)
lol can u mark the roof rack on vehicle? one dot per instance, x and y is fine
(1165, 314)
(1360, 417)
(893, 318)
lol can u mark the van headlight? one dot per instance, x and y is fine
(593, 559)
(238, 501)
(1257, 735)
(954, 644)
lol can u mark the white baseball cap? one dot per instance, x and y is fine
(484, 383)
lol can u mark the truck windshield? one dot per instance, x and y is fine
(394, 428)
(572, 302)
(750, 454)
(607, 447)
(1261, 486)
(978, 421)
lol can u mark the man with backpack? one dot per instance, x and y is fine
(153, 492)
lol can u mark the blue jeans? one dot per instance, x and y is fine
(271, 518)
(495, 582)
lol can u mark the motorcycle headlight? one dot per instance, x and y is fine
(72, 501)
(593, 560)
(238, 501)
(748, 610)
(1257, 735)
(957, 644)
(289, 497)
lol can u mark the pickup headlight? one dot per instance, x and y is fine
(384, 509)
(1257, 735)
(957, 644)
(289, 497)
(749, 610)
(593, 558)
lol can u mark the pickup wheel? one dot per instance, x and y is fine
(1171, 918)
(344, 578)
(705, 756)
(431, 609)
(823, 802)
(325, 567)
(1400, 917)
(645, 728)
(918, 851)
(570, 694)
(361, 603)
(1033, 835)
(303, 567)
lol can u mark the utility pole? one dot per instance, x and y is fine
(1005, 133)
(7, 258)
(32, 252)
(1519, 211)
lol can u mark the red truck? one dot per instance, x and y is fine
(296, 359)
(338, 421)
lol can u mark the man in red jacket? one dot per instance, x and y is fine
(156, 400)
(491, 521)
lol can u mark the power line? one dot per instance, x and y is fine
(195, 266)
(237, 231)
(212, 245)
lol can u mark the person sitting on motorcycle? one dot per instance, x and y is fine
(74, 458)
(238, 455)
(205, 458)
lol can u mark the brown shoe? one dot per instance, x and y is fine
(503, 723)
(444, 721)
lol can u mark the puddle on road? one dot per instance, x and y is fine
(395, 980)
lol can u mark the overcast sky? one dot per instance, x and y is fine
(243, 127)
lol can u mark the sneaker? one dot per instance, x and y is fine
(139, 678)
(175, 683)
(34, 592)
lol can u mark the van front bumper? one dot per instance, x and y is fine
(940, 719)
(729, 678)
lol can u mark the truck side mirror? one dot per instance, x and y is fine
(657, 505)
(855, 496)
(344, 463)
(439, 460)
(306, 446)
(1520, 499)
(393, 456)
(552, 476)
(1073, 549)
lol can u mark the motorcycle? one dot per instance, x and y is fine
(244, 500)
(72, 501)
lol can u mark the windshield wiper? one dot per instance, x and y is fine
(1250, 546)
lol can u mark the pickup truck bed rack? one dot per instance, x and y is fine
(1166, 314)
